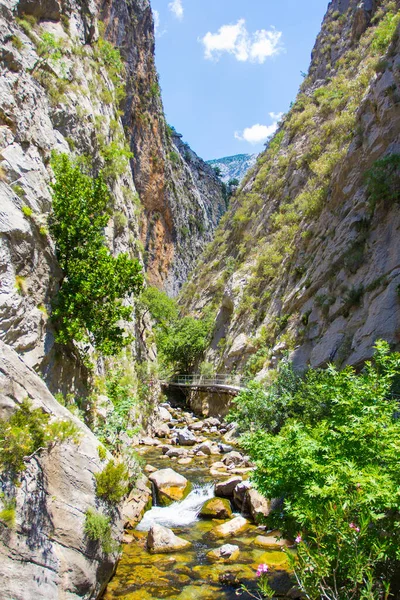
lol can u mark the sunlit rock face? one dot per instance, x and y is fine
(306, 261)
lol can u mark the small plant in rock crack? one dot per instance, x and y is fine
(97, 528)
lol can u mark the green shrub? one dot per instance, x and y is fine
(17, 42)
(50, 47)
(89, 305)
(334, 461)
(383, 180)
(112, 482)
(26, 432)
(8, 513)
(184, 342)
(97, 528)
(384, 32)
(102, 452)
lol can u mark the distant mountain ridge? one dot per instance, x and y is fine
(234, 167)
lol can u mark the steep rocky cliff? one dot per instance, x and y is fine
(182, 198)
(307, 258)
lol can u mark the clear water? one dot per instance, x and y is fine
(189, 575)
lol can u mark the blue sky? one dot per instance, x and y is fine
(228, 68)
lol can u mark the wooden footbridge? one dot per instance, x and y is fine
(222, 383)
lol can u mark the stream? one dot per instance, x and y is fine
(189, 574)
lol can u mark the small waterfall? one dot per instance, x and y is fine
(178, 514)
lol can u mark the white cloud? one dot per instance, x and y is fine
(176, 7)
(156, 16)
(236, 40)
(259, 133)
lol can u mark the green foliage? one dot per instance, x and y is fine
(97, 528)
(184, 342)
(90, 303)
(27, 211)
(116, 155)
(102, 452)
(162, 308)
(333, 457)
(383, 180)
(49, 47)
(112, 482)
(17, 42)
(384, 32)
(19, 190)
(8, 513)
(26, 432)
(174, 157)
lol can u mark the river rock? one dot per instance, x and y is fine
(162, 540)
(162, 430)
(163, 414)
(240, 496)
(197, 426)
(225, 448)
(184, 461)
(259, 506)
(176, 453)
(216, 508)
(148, 441)
(233, 459)
(138, 500)
(232, 527)
(186, 437)
(226, 553)
(170, 486)
(205, 447)
(270, 541)
(224, 489)
(212, 422)
(149, 469)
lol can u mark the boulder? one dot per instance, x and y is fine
(170, 486)
(205, 447)
(216, 508)
(233, 458)
(163, 414)
(162, 430)
(259, 506)
(162, 540)
(226, 553)
(148, 441)
(212, 422)
(232, 527)
(224, 489)
(224, 448)
(240, 496)
(149, 469)
(138, 500)
(176, 453)
(270, 541)
(198, 426)
(184, 461)
(186, 437)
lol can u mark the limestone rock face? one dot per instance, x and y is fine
(47, 556)
(162, 540)
(137, 502)
(170, 486)
(183, 200)
(317, 277)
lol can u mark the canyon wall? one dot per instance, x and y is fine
(307, 259)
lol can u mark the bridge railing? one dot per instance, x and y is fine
(227, 379)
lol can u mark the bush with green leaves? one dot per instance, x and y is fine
(181, 342)
(28, 430)
(97, 528)
(334, 461)
(91, 301)
(112, 482)
(383, 180)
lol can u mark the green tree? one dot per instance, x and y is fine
(91, 301)
(184, 342)
(335, 464)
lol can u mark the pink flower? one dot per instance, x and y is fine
(261, 569)
(353, 526)
(298, 539)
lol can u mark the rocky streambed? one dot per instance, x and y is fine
(199, 537)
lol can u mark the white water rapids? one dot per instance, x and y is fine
(178, 514)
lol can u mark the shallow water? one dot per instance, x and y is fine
(189, 574)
